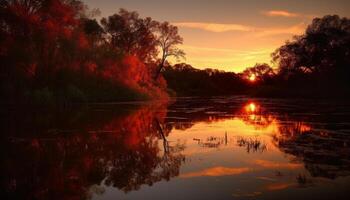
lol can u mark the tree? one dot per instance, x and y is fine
(168, 39)
(323, 49)
(92, 28)
(50, 49)
(37, 35)
(132, 35)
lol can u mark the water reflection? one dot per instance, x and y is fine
(122, 152)
(251, 147)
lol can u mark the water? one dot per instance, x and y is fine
(191, 148)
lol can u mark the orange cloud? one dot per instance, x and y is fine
(280, 13)
(278, 186)
(255, 31)
(216, 171)
(214, 27)
(292, 30)
(274, 165)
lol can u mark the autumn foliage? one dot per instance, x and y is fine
(51, 51)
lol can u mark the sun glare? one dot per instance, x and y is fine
(252, 107)
(252, 78)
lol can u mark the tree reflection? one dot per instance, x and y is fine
(324, 153)
(123, 152)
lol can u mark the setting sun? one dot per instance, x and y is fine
(252, 78)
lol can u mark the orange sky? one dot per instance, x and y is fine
(230, 35)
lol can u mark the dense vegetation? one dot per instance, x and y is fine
(317, 62)
(52, 52)
(184, 80)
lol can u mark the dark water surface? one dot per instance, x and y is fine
(191, 148)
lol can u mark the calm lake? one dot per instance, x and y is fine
(188, 148)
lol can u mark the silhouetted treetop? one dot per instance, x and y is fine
(131, 34)
(143, 37)
(91, 27)
(324, 48)
(168, 39)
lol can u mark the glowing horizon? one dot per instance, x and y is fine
(229, 35)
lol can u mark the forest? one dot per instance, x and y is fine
(55, 52)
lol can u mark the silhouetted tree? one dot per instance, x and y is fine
(323, 49)
(168, 39)
(132, 35)
(92, 29)
(316, 63)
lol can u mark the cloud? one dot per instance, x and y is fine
(277, 165)
(292, 30)
(280, 13)
(209, 49)
(255, 31)
(216, 171)
(224, 54)
(214, 27)
(278, 186)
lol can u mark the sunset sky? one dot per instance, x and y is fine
(227, 34)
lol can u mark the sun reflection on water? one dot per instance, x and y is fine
(251, 107)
